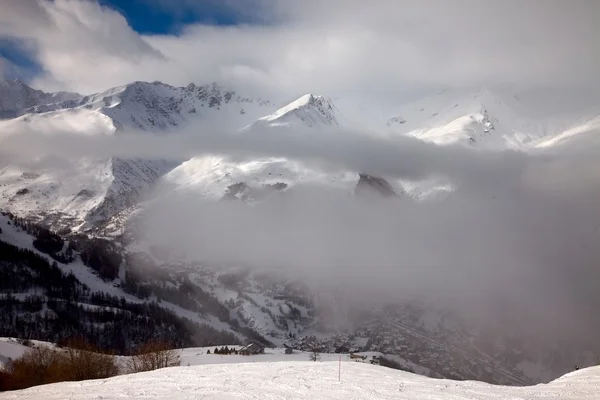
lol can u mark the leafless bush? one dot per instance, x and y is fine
(314, 355)
(42, 365)
(153, 355)
(25, 342)
(82, 360)
(37, 366)
(5, 380)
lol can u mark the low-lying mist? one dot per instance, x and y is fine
(476, 252)
(518, 235)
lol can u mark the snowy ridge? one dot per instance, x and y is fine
(491, 118)
(158, 107)
(215, 177)
(98, 191)
(481, 117)
(16, 97)
(588, 129)
(79, 194)
(308, 110)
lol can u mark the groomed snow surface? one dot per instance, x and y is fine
(275, 375)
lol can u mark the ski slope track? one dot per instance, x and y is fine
(305, 380)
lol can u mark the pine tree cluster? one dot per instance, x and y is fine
(225, 350)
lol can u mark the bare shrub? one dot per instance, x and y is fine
(153, 355)
(82, 360)
(42, 365)
(25, 342)
(5, 381)
(37, 366)
(314, 355)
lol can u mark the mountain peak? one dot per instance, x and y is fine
(373, 184)
(302, 101)
(306, 99)
(311, 110)
(12, 82)
(16, 96)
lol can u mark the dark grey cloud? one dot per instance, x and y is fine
(401, 157)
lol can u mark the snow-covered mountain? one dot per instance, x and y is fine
(101, 190)
(308, 110)
(491, 118)
(98, 190)
(216, 177)
(156, 106)
(16, 98)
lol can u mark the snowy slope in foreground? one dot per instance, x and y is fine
(305, 380)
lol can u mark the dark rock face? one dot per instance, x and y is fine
(368, 184)
(243, 191)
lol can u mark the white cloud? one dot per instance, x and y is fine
(79, 44)
(320, 46)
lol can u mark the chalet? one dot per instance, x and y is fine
(288, 349)
(252, 349)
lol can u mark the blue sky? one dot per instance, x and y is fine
(22, 59)
(169, 16)
(145, 17)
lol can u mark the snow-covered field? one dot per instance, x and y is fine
(276, 375)
(10, 349)
(304, 380)
(200, 356)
